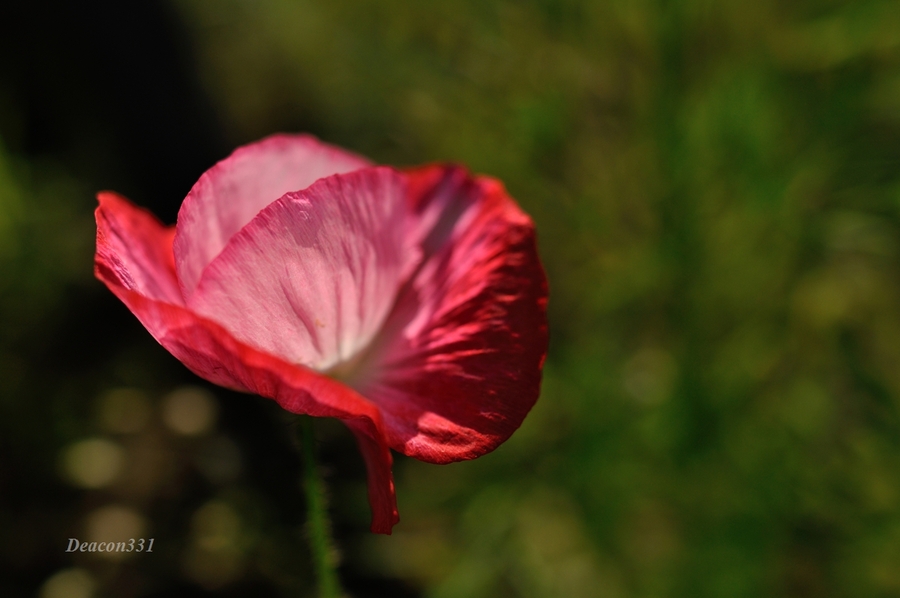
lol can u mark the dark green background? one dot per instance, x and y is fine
(716, 187)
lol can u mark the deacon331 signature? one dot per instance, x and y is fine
(131, 545)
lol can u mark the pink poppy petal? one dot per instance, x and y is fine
(458, 365)
(313, 276)
(134, 249)
(232, 192)
(208, 350)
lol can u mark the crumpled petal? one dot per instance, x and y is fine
(458, 364)
(232, 192)
(134, 259)
(313, 276)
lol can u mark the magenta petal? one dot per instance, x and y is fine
(314, 275)
(213, 354)
(459, 363)
(232, 192)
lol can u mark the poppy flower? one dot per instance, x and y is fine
(410, 304)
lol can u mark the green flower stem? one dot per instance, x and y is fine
(319, 532)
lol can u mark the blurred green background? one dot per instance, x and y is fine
(716, 187)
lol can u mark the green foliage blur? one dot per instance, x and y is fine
(716, 188)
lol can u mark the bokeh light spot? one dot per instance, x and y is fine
(69, 583)
(93, 463)
(214, 557)
(189, 411)
(114, 523)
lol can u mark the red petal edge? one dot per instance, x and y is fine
(459, 363)
(212, 353)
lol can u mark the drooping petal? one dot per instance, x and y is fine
(458, 364)
(314, 275)
(212, 353)
(232, 192)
